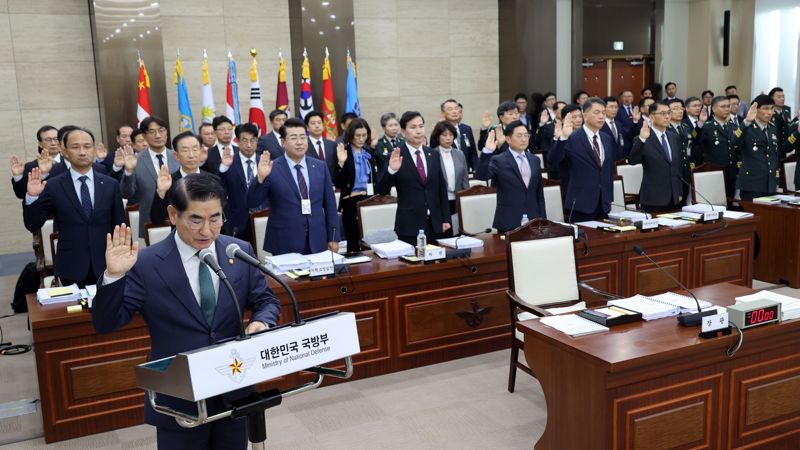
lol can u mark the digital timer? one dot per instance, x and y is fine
(758, 312)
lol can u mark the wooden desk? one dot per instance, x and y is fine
(407, 316)
(656, 385)
(778, 228)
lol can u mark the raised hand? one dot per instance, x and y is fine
(566, 128)
(45, 162)
(264, 167)
(119, 157)
(35, 183)
(121, 254)
(164, 181)
(203, 154)
(101, 151)
(395, 160)
(644, 133)
(341, 154)
(636, 114)
(751, 113)
(557, 129)
(130, 160)
(486, 121)
(227, 156)
(501, 137)
(491, 140)
(17, 167)
(544, 118)
(374, 142)
(703, 116)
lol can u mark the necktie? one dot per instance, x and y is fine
(421, 168)
(665, 146)
(301, 182)
(614, 130)
(160, 161)
(208, 298)
(321, 151)
(628, 108)
(249, 171)
(86, 199)
(394, 144)
(457, 142)
(524, 169)
(596, 146)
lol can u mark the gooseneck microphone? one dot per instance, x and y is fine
(233, 251)
(697, 192)
(594, 290)
(463, 234)
(210, 258)
(687, 320)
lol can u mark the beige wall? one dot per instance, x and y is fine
(46, 77)
(413, 54)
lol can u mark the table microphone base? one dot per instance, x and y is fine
(694, 319)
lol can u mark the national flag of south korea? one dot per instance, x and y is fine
(256, 104)
(232, 93)
(306, 100)
(143, 100)
(209, 110)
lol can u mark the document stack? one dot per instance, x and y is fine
(295, 261)
(650, 308)
(394, 249)
(52, 296)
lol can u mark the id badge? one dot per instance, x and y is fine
(305, 206)
(370, 189)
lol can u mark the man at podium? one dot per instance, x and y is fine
(182, 301)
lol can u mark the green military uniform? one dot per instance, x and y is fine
(793, 143)
(684, 133)
(782, 121)
(718, 147)
(383, 151)
(759, 152)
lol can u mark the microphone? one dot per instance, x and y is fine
(697, 192)
(687, 320)
(594, 290)
(208, 257)
(484, 231)
(456, 252)
(233, 251)
(571, 208)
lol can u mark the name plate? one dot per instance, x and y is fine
(215, 370)
(434, 252)
(321, 269)
(710, 216)
(716, 322)
(647, 224)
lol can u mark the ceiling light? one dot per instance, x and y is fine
(333, 16)
(132, 19)
(321, 32)
(124, 25)
(141, 14)
(338, 27)
(117, 31)
(313, 19)
(154, 4)
(148, 31)
(326, 3)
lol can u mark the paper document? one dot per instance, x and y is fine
(684, 302)
(737, 214)
(51, 296)
(325, 257)
(461, 242)
(394, 249)
(649, 308)
(703, 207)
(287, 261)
(573, 325)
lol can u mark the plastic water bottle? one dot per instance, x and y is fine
(422, 242)
(524, 220)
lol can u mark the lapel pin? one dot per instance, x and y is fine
(230, 261)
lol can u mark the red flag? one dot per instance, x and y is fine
(328, 107)
(282, 96)
(143, 101)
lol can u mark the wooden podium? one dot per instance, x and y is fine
(656, 385)
(778, 228)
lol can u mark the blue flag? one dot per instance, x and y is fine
(351, 104)
(185, 118)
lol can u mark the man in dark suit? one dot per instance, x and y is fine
(319, 147)
(271, 141)
(521, 99)
(187, 152)
(416, 171)
(671, 90)
(517, 176)
(453, 112)
(613, 126)
(757, 144)
(661, 157)
(694, 119)
(183, 302)
(223, 128)
(544, 136)
(589, 157)
(507, 112)
(237, 172)
(302, 205)
(85, 205)
(123, 139)
(625, 114)
(717, 143)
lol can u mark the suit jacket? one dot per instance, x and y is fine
(215, 159)
(21, 187)
(466, 144)
(344, 178)
(661, 181)
(157, 287)
(513, 198)
(588, 182)
(329, 147)
(81, 239)
(270, 143)
(235, 181)
(287, 226)
(140, 186)
(460, 168)
(415, 198)
(624, 119)
(760, 156)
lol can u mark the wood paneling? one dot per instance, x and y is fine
(723, 262)
(92, 380)
(646, 278)
(595, 79)
(680, 426)
(778, 229)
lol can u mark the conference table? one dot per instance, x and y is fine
(778, 230)
(657, 385)
(407, 315)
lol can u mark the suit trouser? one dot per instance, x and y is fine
(224, 434)
(598, 214)
(749, 195)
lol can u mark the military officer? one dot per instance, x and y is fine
(684, 133)
(757, 143)
(781, 119)
(717, 142)
(793, 143)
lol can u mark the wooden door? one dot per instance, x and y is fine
(625, 76)
(595, 79)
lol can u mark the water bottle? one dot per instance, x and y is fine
(524, 220)
(422, 242)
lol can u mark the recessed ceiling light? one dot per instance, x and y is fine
(141, 14)
(338, 27)
(154, 4)
(132, 20)
(321, 32)
(156, 28)
(124, 25)
(148, 31)
(117, 31)
(141, 35)
(313, 19)
(333, 16)
(326, 3)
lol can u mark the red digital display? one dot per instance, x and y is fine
(762, 315)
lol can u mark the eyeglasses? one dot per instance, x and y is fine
(196, 223)
(51, 140)
(660, 113)
(154, 131)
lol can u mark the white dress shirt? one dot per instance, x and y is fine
(154, 160)
(414, 159)
(76, 183)
(590, 134)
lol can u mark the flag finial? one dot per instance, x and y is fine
(230, 56)
(253, 52)
(326, 52)
(205, 54)
(305, 53)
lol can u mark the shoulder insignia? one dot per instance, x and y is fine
(738, 132)
(792, 139)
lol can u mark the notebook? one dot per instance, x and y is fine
(651, 309)
(684, 302)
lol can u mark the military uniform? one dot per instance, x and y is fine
(759, 152)
(782, 121)
(684, 133)
(793, 143)
(718, 145)
(383, 151)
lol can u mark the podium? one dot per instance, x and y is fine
(233, 364)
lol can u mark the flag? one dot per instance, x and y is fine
(328, 108)
(143, 101)
(209, 110)
(306, 100)
(256, 105)
(185, 119)
(232, 93)
(282, 97)
(351, 99)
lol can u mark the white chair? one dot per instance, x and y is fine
(393, 192)
(618, 204)
(710, 182)
(376, 214)
(788, 175)
(476, 182)
(553, 205)
(542, 274)
(258, 227)
(44, 246)
(545, 176)
(476, 206)
(156, 233)
(132, 218)
(631, 177)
